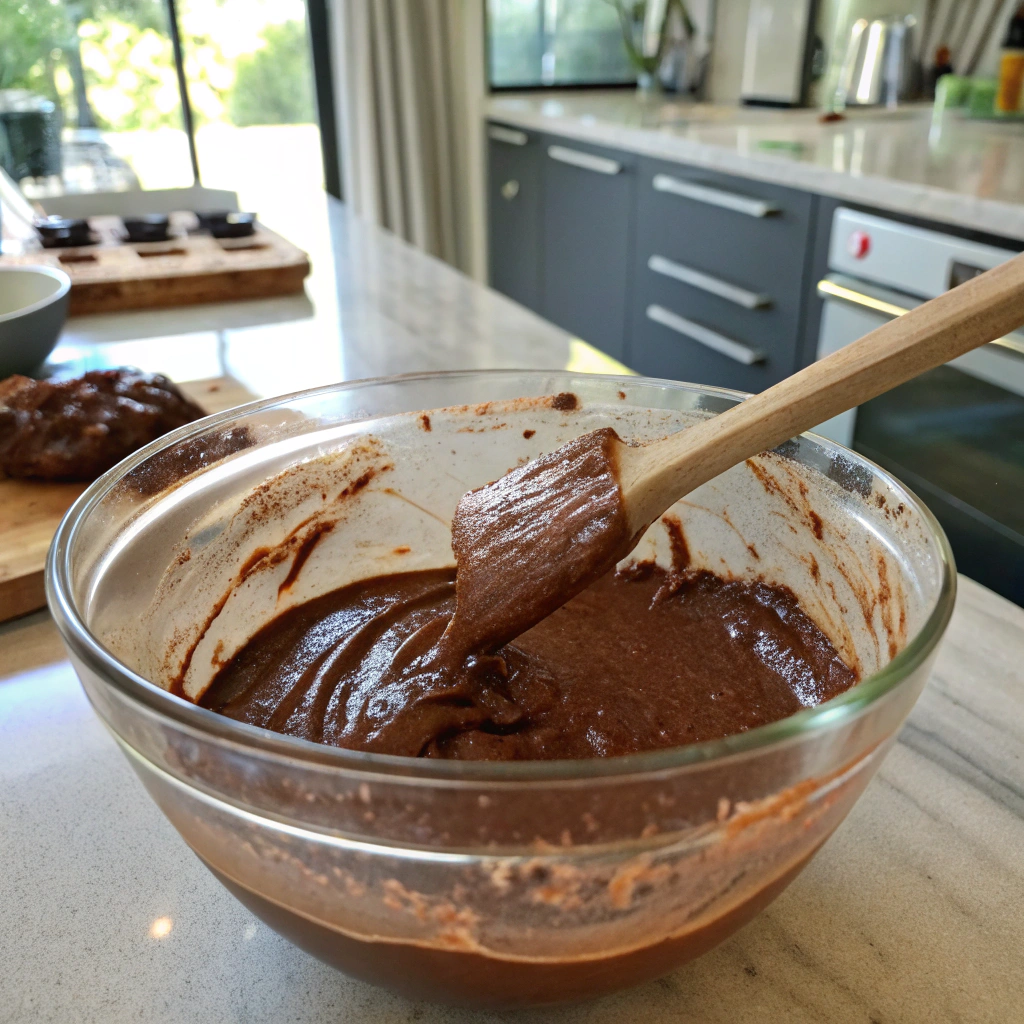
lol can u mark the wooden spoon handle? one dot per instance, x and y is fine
(968, 316)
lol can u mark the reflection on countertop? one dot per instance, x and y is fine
(373, 306)
(949, 168)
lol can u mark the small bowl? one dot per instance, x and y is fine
(33, 308)
(64, 232)
(227, 223)
(152, 227)
(482, 883)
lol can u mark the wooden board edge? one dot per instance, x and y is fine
(22, 594)
(107, 297)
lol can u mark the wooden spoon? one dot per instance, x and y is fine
(532, 540)
(655, 475)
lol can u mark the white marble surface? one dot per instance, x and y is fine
(956, 171)
(373, 306)
(909, 915)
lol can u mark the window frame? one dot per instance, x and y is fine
(539, 86)
(318, 35)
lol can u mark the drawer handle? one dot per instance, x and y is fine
(589, 162)
(714, 196)
(707, 283)
(510, 189)
(710, 339)
(509, 135)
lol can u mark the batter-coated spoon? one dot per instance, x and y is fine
(532, 540)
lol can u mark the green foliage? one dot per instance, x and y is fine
(272, 85)
(132, 82)
(33, 33)
(143, 14)
(29, 31)
(631, 17)
(128, 64)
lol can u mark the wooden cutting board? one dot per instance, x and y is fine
(30, 511)
(185, 270)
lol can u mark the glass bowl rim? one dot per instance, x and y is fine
(112, 672)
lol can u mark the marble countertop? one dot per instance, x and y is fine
(372, 306)
(950, 169)
(911, 912)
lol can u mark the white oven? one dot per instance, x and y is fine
(955, 435)
(880, 268)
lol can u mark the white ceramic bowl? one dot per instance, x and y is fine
(33, 308)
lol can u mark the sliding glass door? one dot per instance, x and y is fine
(106, 95)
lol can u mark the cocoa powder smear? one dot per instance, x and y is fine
(536, 648)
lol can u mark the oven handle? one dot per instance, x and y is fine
(828, 289)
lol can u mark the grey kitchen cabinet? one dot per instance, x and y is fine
(719, 277)
(514, 209)
(675, 270)
(586, 248)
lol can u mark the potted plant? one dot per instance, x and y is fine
(648, 28)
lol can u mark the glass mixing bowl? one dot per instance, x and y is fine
(483, 883)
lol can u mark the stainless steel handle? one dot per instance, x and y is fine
(834, 290)
(710, 339)
(707, 283)
(509, 135)
(714, 196)
(1011, 345)
(589, 162)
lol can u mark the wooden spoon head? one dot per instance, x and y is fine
(530, 541)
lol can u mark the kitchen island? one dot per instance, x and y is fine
(909, 913)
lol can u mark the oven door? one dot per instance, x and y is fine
(853, 308)
(955, 435)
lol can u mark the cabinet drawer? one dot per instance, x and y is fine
(587, 230)
(754, 321)
(748, 232)
(724, 254)
(667, 342)
(513, 211)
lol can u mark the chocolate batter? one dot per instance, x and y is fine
(638, 661)
(77, 429)
(541, 651)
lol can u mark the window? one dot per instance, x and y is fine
(555, 43)
(80, 83)
(92, 98)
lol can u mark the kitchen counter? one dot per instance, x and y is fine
(372, 306)
(951, 170)
(911, 912)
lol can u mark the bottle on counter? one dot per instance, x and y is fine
(943, 66)
(1011, 67)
